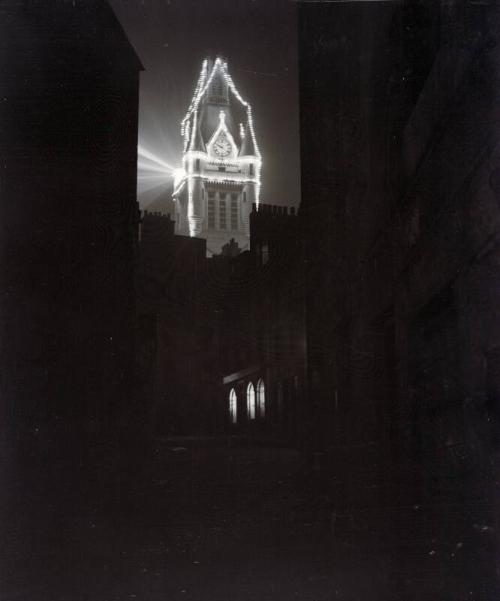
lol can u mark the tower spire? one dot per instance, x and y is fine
(220, 179)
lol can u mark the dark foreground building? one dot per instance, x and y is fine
(68, 121)
(261, 334)
(221, 344)
(399, 126)
(363, 330)
(175, 329)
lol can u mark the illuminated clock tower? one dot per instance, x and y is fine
(221, 164)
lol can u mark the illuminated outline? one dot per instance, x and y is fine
(188, 133)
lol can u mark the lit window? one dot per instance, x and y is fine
(250, 401)
(233, 406)
(261, 398)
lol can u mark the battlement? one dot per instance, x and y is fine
(273, 210)
(155, 215)
(155, 226)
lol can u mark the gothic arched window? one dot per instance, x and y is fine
(261, 398)
(233, 406)
(250, 401)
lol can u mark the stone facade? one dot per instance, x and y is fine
(399, 118)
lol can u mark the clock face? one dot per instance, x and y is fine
(221, 146)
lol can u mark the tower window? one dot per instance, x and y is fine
(222, 214)
(244, 196)
(251, 169)
(197, 164)
(234, 212)
(222, 168)
(211, 213)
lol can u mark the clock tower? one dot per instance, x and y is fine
(220, 175)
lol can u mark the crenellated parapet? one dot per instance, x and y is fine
(273, 231)
(155, 226)
(273, 210)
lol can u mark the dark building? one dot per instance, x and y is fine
(399, 131)
(175, 329)
(221, 342)
(68, 213)
(260, 319)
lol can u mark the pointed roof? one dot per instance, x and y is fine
(211, 75)
(217, 88)
(247, 144)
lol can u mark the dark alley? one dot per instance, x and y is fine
(219, 518)
(249, 300)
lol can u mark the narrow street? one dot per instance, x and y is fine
(220, 519)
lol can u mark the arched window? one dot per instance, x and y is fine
(250, 401)
(233, 406)
(261, 398)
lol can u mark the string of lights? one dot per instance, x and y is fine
(189, 128)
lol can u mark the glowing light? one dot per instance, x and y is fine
(233, 406)
(189, 124)
(250, 401)
(201, 89)
(142, 166)
(163, 177)
(261, 398)
(222, 129)
(143, 153)
(179, 175)
(219, 163)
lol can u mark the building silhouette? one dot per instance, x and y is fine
(399, 131)
(362, 329)
(68, 214)
(174, 347)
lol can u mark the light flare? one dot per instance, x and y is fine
(143, 153)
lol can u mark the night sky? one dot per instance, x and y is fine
(257, 38)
